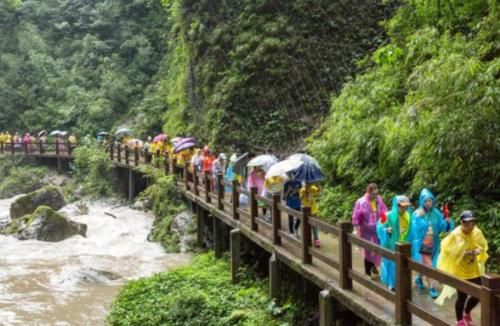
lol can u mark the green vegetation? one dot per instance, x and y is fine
(424, 113)
(18, 177)
(198, 294)
(263, 70)
(77, 64)
(93, 171)
(166, 203)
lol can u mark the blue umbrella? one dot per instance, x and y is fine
(308, 172)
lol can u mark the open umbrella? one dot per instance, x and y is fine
(103, 133)
(240, 164)
(183, 146)
(42, 133)
(132, 143)
(304, 158)
(160, 137)
(175, 140)
(308, 173)
(55, 133)
(123, 131)
(280, 169)
(265, 161)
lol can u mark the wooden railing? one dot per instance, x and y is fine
(210, 189)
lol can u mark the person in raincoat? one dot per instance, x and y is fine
(257, 179)
(229, 175)
(291, 194)
(394, 229)
(72, 141)
(2, 139)
(427, 224)
(367, 211)
(464, 253)
(218, 167)
(8, 140)
(308, 195)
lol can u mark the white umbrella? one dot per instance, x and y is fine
(55, 133)
(265, 161)
(135, 142)
(42, 133)
(122, 131)
(280, 169)
(304, 158)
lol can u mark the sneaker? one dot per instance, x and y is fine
(419, 283)
(468, 319)
(461, 323)
(434, 293)
(317, 244)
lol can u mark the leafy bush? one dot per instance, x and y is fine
(94, 171)
(423, 114)
(198, 294)
(165, 202)
(17, 177)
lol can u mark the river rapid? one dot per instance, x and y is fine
(73, 282)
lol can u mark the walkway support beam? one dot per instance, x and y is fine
(218, 238)
(325, 308)
(235, 243)
(274, 277)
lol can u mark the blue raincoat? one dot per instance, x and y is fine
(388, 267)
(229, 177)
(421, 220)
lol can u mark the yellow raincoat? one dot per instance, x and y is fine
(453, 260)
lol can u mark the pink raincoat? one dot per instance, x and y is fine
(364, 217)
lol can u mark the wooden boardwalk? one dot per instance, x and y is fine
(336, 267)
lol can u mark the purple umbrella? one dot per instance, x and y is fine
(183, 146)
(160, 137)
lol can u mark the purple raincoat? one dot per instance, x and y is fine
(364, 217)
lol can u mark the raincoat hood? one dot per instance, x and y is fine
(425, 195)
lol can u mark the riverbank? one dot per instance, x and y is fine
(73, 282)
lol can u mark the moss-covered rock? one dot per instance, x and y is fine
(47, 196)
(44, 224)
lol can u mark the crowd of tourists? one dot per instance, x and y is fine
(435, 240)
(29, 142)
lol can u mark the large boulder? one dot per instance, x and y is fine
(47, 196)
(44, 224)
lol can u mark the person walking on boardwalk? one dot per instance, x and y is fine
(309, 194)
(291, 193)
(427, 224)
(367, 211)
(464, 253)
(390, 230)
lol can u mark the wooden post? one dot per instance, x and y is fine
(136, 156)
(345, 259)
(220, 192)
(218, 245)
(166, 164)
(111, 151)
(1, 147)
(274, 277)
(207, 187)
(173, 169)
(25, 146)
(157, 159)
(196, 181)
(200, 225)
(306, 235)
(235, 243)
(119, 152)
(127, 154)
(490, 304)
(57, 147)
(131, 185)
(403, 283)
(186, 177)
(235, 199)
(12, 148)
(70, 149)
(40, 147)
(253, 208)
(325, 308)
(276, 217)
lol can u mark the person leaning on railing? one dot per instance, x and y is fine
(463, 254)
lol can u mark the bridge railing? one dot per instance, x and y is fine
(210, 189)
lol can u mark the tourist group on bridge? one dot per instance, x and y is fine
(435, 240)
